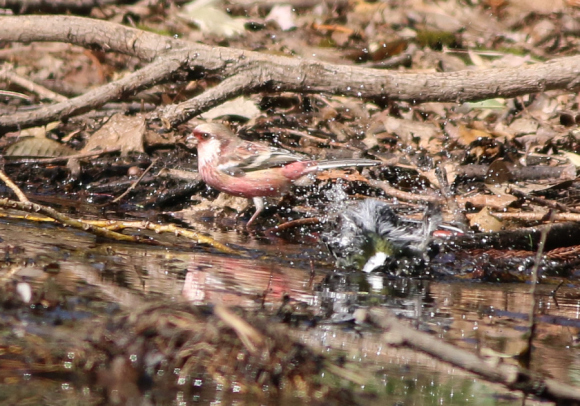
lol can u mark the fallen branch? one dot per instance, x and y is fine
(148, 76)
(53, 6)
(247, 71)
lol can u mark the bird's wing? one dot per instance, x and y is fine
(250, 156)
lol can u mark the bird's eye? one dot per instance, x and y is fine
(201, 135)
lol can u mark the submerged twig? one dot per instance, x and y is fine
(165, 228)
(294, 223)
(398, 334)
(66, 220)
(526, 355)
(108, 228)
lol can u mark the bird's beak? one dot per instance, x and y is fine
(191, 142)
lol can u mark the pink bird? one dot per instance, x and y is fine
(254, 170)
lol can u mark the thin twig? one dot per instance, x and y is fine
(294, 223)
(16, 95)
(64, 158)
(19, 194)
(536, 216)
(320, 140)
(44, 93)
(554, 293)
(541, 201)
(66, 220)
(399, 194)
(134, 184)
(114, 225)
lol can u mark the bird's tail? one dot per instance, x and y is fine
(339, 163)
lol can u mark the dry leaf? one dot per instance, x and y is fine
(241, 107)
(211, 20)
(485, 221)
(38, 147)
(523, 126)
(411, 131)
(469, 135)
(573, 158)
(283, 15)
(495, 201)
(125, 132)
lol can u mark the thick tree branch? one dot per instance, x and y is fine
(53, 6)
(143, 78)
(88, 33)
(291, 74)
(231, 87)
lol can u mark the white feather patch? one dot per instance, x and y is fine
(211, 151)
(375, 261)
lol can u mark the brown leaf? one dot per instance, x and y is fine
(410, 131)
(497, 201)
(125, 132)
(38, 147)
(485, 221)
(465, 136)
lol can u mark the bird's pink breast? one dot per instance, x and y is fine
(264, 183)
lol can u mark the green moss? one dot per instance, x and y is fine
(164, 32)
(436, 39)
(512, 50)
(327, 43)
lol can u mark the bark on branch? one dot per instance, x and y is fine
(143, 78)
(53, 6)
(252, 71)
